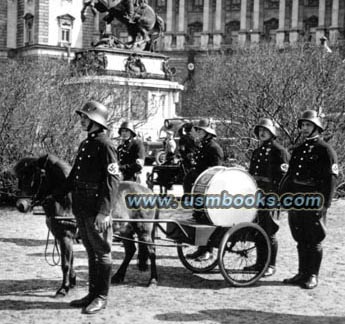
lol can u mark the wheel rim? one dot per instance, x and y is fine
(192, 264)
(239, 251)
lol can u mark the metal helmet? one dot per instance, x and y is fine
(205, 125)
(313, 117)
(267, 124)
(96, 111)
(127, 125)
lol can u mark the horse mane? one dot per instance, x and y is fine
(23, 164)
(57, 163)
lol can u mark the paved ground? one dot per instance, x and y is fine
(27, 284)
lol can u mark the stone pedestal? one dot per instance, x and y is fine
(294, 35)
(280, 37)
(167, 41)
(144, 80)
(204, 40)
(242, 38)
(217, 40)
(180, 41)
(333, 35)
(255, 36)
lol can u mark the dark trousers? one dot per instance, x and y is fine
(98, 248)
(308, 230)
(267, 220)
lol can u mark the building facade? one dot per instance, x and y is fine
(55, 27)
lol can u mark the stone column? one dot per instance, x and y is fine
(320, 30)
(181, 35)
(294, 31)
(334, 28)
(242, 35)
(280, 36)
(168, 34)
(255, 33)
(206, 25)
(96, 31)
(217, 33)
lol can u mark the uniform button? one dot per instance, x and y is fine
(86, 141)
(306, 144)
(257, 167)
(77, 177)
(78, 167)
(260, 153)
(299, 166)
(258, 160)
(83, 149)
(301, 159)
(80, 158)
(89, 156)
(304, 152)
(297, 173)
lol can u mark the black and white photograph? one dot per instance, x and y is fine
(172, 161)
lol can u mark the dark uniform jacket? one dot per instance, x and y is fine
(313, 168)
(208, 154)
(268, 165)
(129, 153)
(94, 178)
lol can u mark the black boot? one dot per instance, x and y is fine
(301, 276)
(314, 262)
(86, 300)
(102, 288)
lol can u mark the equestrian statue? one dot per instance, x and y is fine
(144, 26)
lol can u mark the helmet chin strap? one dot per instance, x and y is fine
(312, 132)
(89, 126)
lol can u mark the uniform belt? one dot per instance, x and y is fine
(263, 179)
(309, 183)
(81, 185)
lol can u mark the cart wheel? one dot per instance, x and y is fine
(238, 251)
(193, 265)
(160, 157)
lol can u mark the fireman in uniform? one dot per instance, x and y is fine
(313, 169)
(268, 165)
(94, 181)
(187, 145)
(208, 154)
(131, 153)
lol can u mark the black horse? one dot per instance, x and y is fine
(145, 30)
(42, 179)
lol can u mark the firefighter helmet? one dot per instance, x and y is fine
(267, 124)
(313, 117)
(205, 125)
(95, 111)
(127, 125)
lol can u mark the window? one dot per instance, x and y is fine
(161, 5)
(235, 4)
(272, 4)
(28, 29)
(65, 29)
(198, 4)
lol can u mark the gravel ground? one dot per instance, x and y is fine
(28, 284)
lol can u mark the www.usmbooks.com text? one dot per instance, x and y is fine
(225, 200)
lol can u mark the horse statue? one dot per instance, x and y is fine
(42, 179)
(145, 27)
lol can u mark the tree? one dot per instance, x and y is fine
(263, 81)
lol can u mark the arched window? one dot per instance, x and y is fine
(28, 29)
(231, 31)
(194, 33)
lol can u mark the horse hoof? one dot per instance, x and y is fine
(152, 283)
(61, 293)
(117, 279)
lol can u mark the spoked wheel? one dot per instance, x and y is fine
(192, 264)
(238, 254)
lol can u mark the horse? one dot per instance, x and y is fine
(43, 177)
(145, 30)
(34, 177)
